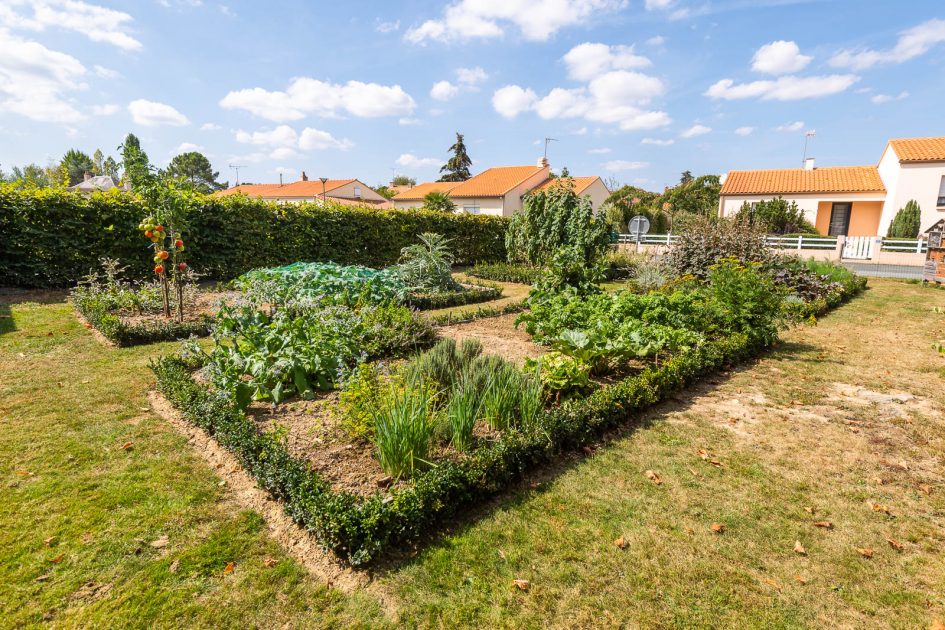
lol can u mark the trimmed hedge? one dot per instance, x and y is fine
(506, 272)
(123, 334)
(474, 294)
(52, 237)
(359, 529)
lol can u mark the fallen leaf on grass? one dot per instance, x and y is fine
(926, 488)
(522, 585)
(621, 543)
(58, 558)
(866, 552)
(160, 543)
(230, 567)
(718, 528)
(809, 510)
(174, 566)
(654, 477)
(127, 446)
(716, 463)
(800, 580)
(703, 453)
(24, 473)
(773, 584)
(270, 562)
(799, 548)
(937, 625)
(895, 544)
(824, 524)
(49, 541)
(501, 554)
(877, 507)
(44, 577)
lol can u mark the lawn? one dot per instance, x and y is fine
(109, 518)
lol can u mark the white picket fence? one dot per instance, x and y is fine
(855, 247)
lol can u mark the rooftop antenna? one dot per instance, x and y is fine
(807, 136)
(547, 140)
(237, 168)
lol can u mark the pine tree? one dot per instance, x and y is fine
(456, 168)
(907, 221)
(194, 170)
(76, 164)
(134, 161)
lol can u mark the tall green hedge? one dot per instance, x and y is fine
(51, 238)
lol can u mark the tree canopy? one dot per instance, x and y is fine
(456, 168)
(193, 170)
(692, 196)
(438, 201)
(907, 222)
(134, 161)
(76, 164)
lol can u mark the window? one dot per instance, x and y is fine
(357, 192)
(941, 194)
(471, 208)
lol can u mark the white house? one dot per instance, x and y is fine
(499, 190)
(852, 200)
(345, 191)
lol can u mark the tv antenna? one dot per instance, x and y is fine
(807, 136)
(547, 140)
(237, 167)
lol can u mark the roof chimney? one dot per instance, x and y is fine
(86, 176)
(808, 164)
(542, 162)
(304, 177)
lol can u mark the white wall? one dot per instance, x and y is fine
(512, 202)
(920, 182)
(730, 204)
(598, 193)
(347, 192)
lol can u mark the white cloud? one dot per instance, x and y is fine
(471, 76)
(615, 97)
(315, 139)
(780, 57)
(152, 113)
(210, 127)
(105, 73)
(586, 61)
(600, 151)
(444, 90)
(537, 20)
(879, 99)
(744, 131)
(789, 88)
(658, 5)
(306, 96)
(409, 160)
(695, 130)
(619, 166)
(912, 43)
(797, 125)
(33, 79)
(105, 110)
(284, 140)
(187, 147)
(657, 40)
(406, 122)
(99, 24)
(658, 142)
(512, 100)
(387, 27)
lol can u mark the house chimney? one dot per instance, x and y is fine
(304, 177)
(542, 162)
(86, 176)
(808, 164)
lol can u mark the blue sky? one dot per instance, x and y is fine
(638, 90)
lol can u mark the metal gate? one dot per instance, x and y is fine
(858, 247)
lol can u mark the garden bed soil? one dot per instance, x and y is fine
(499, 336)
(207, 305)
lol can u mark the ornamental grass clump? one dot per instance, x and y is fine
(403, 429)
(462, 411)
(500, 395)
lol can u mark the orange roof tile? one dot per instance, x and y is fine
(311, 188)
(580, 183)
(833, 179)
(420, 191)
(919, 149)
(495, 182)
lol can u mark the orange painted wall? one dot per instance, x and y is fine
(864, 217)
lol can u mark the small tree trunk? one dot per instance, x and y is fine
(167, 296)
(180, 297)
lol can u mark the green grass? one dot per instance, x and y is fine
(68, 404)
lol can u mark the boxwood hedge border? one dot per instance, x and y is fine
(360, 529)
(123, 334)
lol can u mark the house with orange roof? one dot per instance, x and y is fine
(852, 200)
(500, 190)
(344, 191)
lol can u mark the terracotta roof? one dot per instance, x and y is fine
(420, 191)
(495, 182)
(311, 188)
(919, 149)
(580, 183)
(833, 179)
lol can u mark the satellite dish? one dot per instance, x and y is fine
(639, 225)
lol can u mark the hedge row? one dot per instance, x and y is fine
(359, 529)
(123, 334)
(52, 238)
(446, 299)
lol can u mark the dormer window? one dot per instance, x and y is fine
(941, 194)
